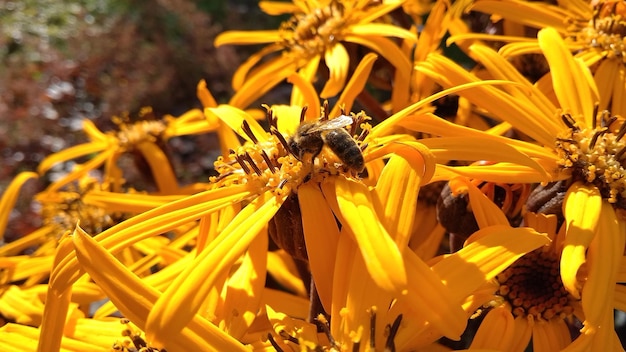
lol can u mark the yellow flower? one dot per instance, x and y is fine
(317, 30)
(594, 30)
(577, 145)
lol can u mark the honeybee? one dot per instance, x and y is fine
(310, 138)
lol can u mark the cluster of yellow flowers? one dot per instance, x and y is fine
(410, 225)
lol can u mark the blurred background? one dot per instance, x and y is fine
(65, 61)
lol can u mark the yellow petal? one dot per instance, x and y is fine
(243, 71)
(242, 294)
(495, 331)
(183, 299)
(234, 118)
(431, 298)
(9, 197)
(72, 153)
(496, 248)
(321, 236)
(135, 299)
(552, 336)
(571, 85)
(355, 85)
(247, 37)
(581, 208)
(160, 167)
(382, 256)
(397, 190)
(532, 14)
(604, 256)
(486, 212)
(338, 62)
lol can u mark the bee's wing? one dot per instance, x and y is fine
(338, 122)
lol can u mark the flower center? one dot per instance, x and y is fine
(533, 287)
(607, 29)
(595, 155)
(310, 34)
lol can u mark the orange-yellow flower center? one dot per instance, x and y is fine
(533, 287)
(310, 34)
(596, 155)
(606, 31)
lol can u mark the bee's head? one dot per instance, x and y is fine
(295, 148)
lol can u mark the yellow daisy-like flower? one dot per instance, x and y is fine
(316, 31)
(577, 144)
(594, 30)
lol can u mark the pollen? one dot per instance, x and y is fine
(606, 31)
(595, 155)
(533, 287)
(266, 165)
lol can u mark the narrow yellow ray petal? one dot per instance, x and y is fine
(618, 101)
(160, 166)
(382, 256)
(9, 197)
(604, 255)
(321, 236)
(32, 239)
(355, 85)
(234, 118)
(532, 14)
(553, 336)
(496, 248)
(540, 106)
(486, 212)
(72, 153)
(522, 333)
(477, 148)
(135, 299)
(397, 190)
(429, 296)
(500, 172)
(243, 71)
(242, 294)
(412, 151)
(294, 306)
(262, 80)
(495, 331)
(281, 266)
(385, 47)
(338, 61)
(59, 292)
(276, 8)
(127, 202)
(581, 207)
(247, 37)
(147, 224)
(307, 95)
(375, 12)
(570, 85)
(382, 29)
(308, 74)
(183, 299)
(82, 169)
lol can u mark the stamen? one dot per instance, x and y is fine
(246, 128)
(282, 183)
(569, 121)
(325, 111)
(253, 164)
(303, 113)
(288, 337)
(373, 327)
(274, 344)
(241, 162)
(362, 136)
(281, 139)
(619, 154)
(363, 146)
(269, 163)
(323, 324)
(393, 330)
(596, 108)
(595, 137)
